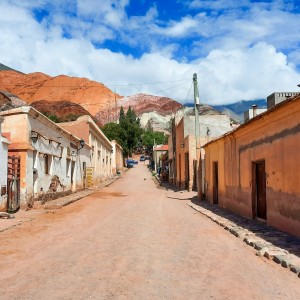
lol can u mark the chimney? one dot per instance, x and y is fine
(254, 108)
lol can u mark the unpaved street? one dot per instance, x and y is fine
(132, 240)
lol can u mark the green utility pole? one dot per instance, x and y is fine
(197, 137)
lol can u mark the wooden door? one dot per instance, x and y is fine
(187, 170)
(179, 170)
(259, 190)
(13, 183)
(215, 183)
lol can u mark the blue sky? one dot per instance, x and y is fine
(241, 50)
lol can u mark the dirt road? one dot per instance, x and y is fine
(132, 240)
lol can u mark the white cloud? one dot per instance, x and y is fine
(249, 73)
(109, 12)
(229, 72)
(181, 28)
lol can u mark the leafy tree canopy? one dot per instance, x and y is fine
(150, 137)
(129, 134)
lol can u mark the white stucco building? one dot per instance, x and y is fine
(3, 169)
(52, 162)
(117, 157)
(101, 166)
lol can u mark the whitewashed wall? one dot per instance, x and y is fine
(59, 162)
(3, 168)
(101, 157)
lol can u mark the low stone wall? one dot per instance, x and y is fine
(43, 198)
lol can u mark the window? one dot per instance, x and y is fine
(68, 167)
(47, 163)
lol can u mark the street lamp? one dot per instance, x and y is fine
(34, 136)
(81, 143)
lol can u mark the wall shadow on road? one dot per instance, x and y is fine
(171, 187)
(261, 229)
(268, 233)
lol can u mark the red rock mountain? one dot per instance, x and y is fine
(91, 95)
(64, 111)
(56, 94)
(141, 103)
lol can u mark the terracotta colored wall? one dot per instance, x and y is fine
(274, 138)
(210, 126)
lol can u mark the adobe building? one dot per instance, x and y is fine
(117, 163)
(211, 125)
(172, 154)
(253, 112)
(50, 160)
(101, 148)
(3, 168)
(278, 97)
(254, 170)
(158, 152)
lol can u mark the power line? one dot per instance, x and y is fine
(172, 87)
(102, 85)
(189, 92)
(149, 83)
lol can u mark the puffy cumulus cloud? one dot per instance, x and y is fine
(110, 12)
(245, 73)
(231, 24)
(225, 74)
(181, 28)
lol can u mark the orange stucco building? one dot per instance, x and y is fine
(185, 157)
(254, 170)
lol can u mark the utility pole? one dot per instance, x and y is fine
(116, 108)
(197, 138)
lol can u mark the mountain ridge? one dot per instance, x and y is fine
(48, 93)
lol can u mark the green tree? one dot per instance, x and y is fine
(112, 131)
(149, 137)
(133, 129)
(122, 116)
(54, 118)
(129, 134)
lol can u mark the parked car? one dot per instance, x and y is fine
(130, 163)
(142, 158)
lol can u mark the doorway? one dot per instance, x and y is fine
(72, 171)
(179, 170)
(259, 203)
(13, 183)
(215, 183)
(187, 170)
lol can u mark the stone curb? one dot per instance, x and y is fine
(264, 248)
